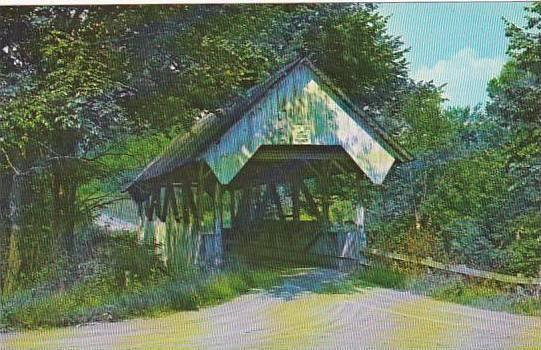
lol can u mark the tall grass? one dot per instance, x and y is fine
(128, 279)
(383, 277)
(98, 300)
(481, 294)
(489, 296)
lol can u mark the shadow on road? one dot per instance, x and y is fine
(305, 280)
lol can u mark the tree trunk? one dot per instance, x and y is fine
(64, 190)
(19, 202)
(6, 180)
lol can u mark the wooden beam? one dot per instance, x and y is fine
(313, 169)
(206, 174)
(170, 201)
(232, 206)
(324, 183)
(162, 215)
(154, 203)
(199, 199)
(218, 225)
(218, 219)
(295, 200)
(187, 199)
(262, 205)
(260, 174)
(245, 213)
(339, 167)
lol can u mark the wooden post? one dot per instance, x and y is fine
(154, 206)
(232, 207)
(218, 219)
(142, 219)
(187, 196)
(295, 201)
(247, 206)
(198, 215)
(154, 202)
(199, 210)
(218, 225)
(325, 204)
(361, 242)
(170, 201)
(261, 207)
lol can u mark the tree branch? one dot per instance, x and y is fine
(6, 155)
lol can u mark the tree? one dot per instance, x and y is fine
(59, 108)
(515, 99)
(355, 49)
(515, 102)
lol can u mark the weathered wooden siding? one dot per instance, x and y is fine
(297, 111)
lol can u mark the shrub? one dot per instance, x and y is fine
(524, 253)
(468, 243)
(463, 293)
(132, 264)
(99, 298)
(384, 277)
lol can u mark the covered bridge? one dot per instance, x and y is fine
(245, 172)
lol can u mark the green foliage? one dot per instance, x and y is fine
(356, 51)
(467, 242)
(428, 128)
(523, 42)
(383, 277)
(225, 59)
(101, 299)
(131, 264)
(524, 253)
(462, 293)
(464, 198)
(224, 288)
(516, 93)
(468, 187)
(483, 294)
(478, 173)
(487, 295)
(67, 102)
(61, 308)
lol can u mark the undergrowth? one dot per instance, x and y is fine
(96, 300)
(129, 280)
(476, 293)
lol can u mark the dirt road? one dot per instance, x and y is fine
(293, 316)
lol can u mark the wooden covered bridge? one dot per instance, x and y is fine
(245, 173)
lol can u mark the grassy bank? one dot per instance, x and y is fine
(476, 293)
(120, 278)
(98, 301)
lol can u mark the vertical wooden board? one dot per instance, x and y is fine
(295, 200)
(297, 111)
(218, 212)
